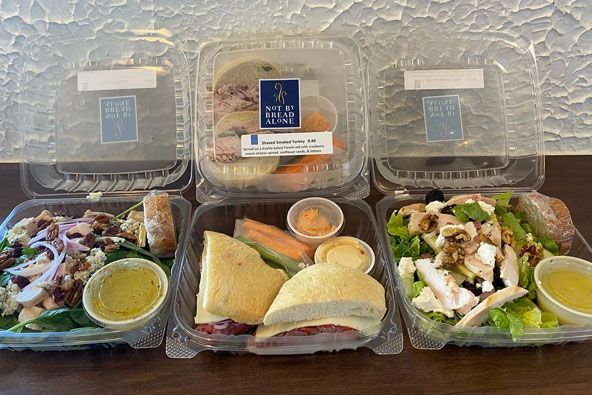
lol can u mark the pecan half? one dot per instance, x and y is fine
(99, 226)
(111, 247)
(83, 266)
(102, 219)
(43, 223)
(128, 236)
(89, 240)
(74, 294)
(6, 260)
(113, 230)
(53, 230)
(74, 268)
(58, 245)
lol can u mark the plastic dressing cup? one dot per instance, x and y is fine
(320, 211)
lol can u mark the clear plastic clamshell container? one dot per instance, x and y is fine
(147, 335)
(460, 113)
(282, 117)
(183, 341)
(109, 113)
(102, 113)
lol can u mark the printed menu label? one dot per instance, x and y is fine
(118, 121)
(443, 118)
(279, 104)
(102, 80)
(443, 79)
(286, 144)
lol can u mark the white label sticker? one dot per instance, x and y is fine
(444, 79)
(103, 80)
(286, 144)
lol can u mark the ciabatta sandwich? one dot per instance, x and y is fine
(325, 298)
(236, 286)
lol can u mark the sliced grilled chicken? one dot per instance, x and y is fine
(509, 270)
(479, 314)
(444, 287)
(475, 265)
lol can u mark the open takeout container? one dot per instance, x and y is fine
(460, 113)
(111, 114)
(331, 67)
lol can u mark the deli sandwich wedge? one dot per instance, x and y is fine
(236, 286)
(325, 298)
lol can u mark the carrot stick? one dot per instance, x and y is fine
(274, 244)
(277, 234)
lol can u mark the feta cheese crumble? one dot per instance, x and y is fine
(427, 301)
(94, 196)
(434, 207)
(486, 254)
(488, 208)
(8, 303)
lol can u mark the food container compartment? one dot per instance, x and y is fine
(330, 82)
(430, 335)
(148, 335)
(184, 342)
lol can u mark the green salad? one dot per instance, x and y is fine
(469, 261)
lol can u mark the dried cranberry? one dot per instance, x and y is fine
(434, 195)
(58, 295)
(448, 210)
(21, 281)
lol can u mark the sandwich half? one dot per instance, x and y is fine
(236, 286)
(325, 298)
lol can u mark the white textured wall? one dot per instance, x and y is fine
(560, 29)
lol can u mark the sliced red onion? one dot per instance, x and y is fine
(87, 220)
(74, 246)
(30, 271)
(221, 324)
(41, 235)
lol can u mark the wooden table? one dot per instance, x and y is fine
(564, 368)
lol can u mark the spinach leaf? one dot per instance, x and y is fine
(80, 318)
(58, 320)
(4, 243)
(140, 250)
(29, 251)
(8, 321)
(135, 206)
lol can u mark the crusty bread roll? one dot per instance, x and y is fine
(548, 217)
(235, 281)
(327, 290)
(160, 227)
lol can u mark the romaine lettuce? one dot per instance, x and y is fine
(519, 314)
(470, 211)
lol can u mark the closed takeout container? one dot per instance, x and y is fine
(460, 113)
(315, 74)
(103, 113)
(184, 342)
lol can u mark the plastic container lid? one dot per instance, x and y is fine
(281, 118)
(107, 113)
(455, 112)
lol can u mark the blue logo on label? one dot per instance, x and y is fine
(443, 119)
(254, 139)
(118, 119)
(279, 104)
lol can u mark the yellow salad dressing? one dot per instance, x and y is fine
(126, 293)
(572, 288)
